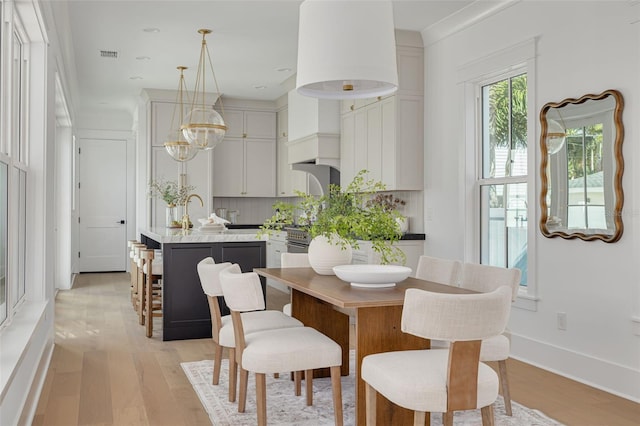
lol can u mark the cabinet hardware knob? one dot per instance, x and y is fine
(352, 107)
(244, 135)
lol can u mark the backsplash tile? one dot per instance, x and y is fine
(257, 210)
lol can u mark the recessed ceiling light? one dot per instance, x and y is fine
(143, 58)
(283, 69)
(151, 30)
(135, 77)
(260, 86)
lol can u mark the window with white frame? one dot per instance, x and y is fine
(13, 176)
(502, 180)
(500, 153)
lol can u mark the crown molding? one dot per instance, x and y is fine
(464, 18)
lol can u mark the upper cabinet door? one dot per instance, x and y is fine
(228, 168)
(161, 119)
(235, 123)
(260, 124)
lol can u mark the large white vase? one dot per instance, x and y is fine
(325, 253)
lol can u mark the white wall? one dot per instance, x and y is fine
(582, 47)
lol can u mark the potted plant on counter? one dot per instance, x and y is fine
(337, 221)
(172, 193)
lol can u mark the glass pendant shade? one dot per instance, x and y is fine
(346, 49)
(556, 136)
(204, 127)
(181, 150)
(177, 147)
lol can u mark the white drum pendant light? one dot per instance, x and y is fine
(346, 49)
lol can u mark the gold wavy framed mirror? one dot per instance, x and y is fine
(581, 167)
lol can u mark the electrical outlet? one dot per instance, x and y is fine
(562, 320)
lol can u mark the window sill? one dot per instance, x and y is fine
(526, 302)
(15, 339)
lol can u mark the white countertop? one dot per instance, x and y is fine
(173, 236)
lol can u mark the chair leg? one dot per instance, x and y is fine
(487, 415)
(504, 381)
(370, 395)
(297, 378)
(217, 362)
(149, 304)
(336, 387)
(242, 399)
(141, 296)
(419, 418)
(447, 418)
(233, 375)
(261, 398)
(308, 380)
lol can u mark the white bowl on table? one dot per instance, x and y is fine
(372, 276)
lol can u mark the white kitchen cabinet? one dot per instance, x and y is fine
(276, 245)
(161, 119)
(244, 164)
(244, 167)
(250, 124)
(412, 249)
(288, 181)
(385, 137)
(194, 172)
(158, 107)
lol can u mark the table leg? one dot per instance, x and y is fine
(324, 318)
(378, 330)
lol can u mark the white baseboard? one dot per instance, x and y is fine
(31, 403)
(613, 378)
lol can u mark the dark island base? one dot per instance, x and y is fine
(185, 310)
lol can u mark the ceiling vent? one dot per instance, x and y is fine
(109, 54)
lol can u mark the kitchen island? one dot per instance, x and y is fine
(185, 310)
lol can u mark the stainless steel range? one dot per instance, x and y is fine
(298, 240)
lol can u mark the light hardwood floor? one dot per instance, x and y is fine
(104, 371)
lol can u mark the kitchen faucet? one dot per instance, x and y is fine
(185, 217)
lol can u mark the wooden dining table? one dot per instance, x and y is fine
(325, 303)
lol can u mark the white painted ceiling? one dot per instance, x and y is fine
(251, 41)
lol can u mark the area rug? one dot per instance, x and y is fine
(286, 409)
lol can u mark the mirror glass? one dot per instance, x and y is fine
(581, 167)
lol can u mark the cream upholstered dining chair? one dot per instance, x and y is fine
(293, 260)
(222, 327)
(443, 271)
(440, 380)
(272, 351)
(486, 278)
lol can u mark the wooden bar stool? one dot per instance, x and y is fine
(134, 254)
(151, 289)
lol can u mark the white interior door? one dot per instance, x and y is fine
(102, 202)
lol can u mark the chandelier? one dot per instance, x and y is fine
(204, 127)
(177, 147)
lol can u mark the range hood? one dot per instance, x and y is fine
(314, 130)
(314, 137)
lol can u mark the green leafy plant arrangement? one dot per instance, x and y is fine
(351, 214)
(171, 192)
